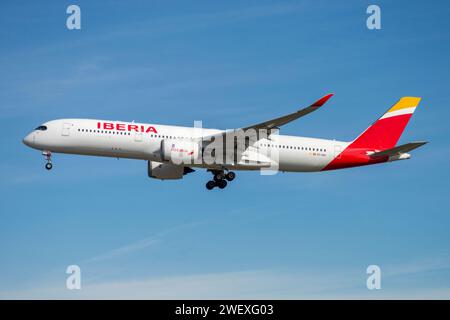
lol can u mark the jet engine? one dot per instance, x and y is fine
(179, 152)
(166, 171)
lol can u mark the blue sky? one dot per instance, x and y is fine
(229, 64)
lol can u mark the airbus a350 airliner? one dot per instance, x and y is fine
(172, 151)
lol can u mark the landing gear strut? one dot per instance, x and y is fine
(220, 179)
(48, 158)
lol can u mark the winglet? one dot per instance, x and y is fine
(322, 100)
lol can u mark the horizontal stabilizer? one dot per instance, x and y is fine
(404, 148)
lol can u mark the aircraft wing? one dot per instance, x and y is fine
(278, 122)
(404, 148)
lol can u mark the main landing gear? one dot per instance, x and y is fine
(220, 179)
(48, 158)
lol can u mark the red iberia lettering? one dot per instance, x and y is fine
(108, 126)
(151, 129)
(132, 127)
(125, 127)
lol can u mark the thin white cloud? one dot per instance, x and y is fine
(325, 283)
(250, 284)
(141, 244)
(136, 246)
(420, 266)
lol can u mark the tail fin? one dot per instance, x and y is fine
(385, 132)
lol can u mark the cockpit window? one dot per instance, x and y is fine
(42, 128)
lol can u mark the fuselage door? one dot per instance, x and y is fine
(66, 129)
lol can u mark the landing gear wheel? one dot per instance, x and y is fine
(48, 158)
(220, 179)
(222, 183)
(230, 176)
(219, 176)
(210, 185)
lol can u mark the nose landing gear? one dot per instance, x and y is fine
(48, 158)
(220, 179)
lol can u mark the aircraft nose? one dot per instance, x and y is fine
(28, 140)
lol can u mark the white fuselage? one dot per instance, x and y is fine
(143, 141)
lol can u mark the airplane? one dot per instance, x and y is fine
(173, 151)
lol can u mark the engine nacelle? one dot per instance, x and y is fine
(164, 171)
(179, 152)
